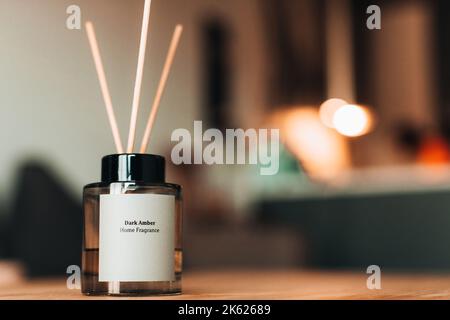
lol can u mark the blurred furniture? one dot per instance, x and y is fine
(406, 230)
(3, 233)
(44, 232)
(263, 285)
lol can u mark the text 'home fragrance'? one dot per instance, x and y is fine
(132, 229)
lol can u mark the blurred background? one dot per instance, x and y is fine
(364, 117)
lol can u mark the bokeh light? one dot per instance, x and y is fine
(352, 120)
(328, 109)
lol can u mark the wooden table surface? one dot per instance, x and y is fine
(264, 285)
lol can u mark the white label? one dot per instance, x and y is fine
(137, 237)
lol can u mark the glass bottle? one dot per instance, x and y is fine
(132, 229)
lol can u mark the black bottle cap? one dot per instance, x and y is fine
(131, 167)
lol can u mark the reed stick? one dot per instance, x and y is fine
(139, 75)
(104, 85)
(162, 84)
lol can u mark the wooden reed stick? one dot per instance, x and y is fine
(103, 85)
(162, 84)
(139, 75)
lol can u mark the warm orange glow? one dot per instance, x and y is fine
(321, 151)
(433, 151)
(352, 120)
(328, 109)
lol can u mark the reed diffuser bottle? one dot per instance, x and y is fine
(132, 218)
(132, 229)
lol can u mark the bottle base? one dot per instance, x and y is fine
(132, 294)
(90, 286)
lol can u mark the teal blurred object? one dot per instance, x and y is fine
(288, 162)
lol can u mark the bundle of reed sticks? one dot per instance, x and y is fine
(138, 83)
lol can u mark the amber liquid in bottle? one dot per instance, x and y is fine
(138, 259)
